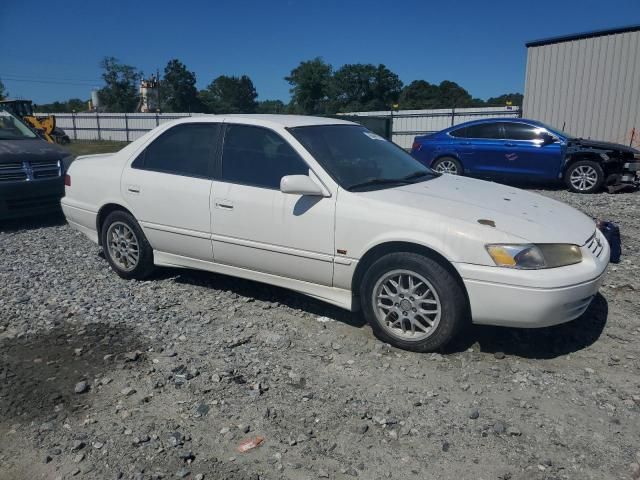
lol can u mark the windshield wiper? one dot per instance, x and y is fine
(390, 181)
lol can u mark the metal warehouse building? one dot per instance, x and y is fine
(588, 83)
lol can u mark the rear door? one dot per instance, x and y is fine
(168, 186)
(527, 155)
(482, 149)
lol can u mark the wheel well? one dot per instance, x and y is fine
(396, 247)
(102, 215)
(571, 159)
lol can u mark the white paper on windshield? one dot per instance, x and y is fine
(373, 136)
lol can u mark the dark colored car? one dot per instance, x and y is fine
(31, 170)
(518, 149)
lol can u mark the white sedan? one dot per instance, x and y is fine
(327, 208)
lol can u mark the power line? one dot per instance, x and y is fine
(54, 81)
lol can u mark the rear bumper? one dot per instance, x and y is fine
(25, 198)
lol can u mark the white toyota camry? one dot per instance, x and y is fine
(328, 208)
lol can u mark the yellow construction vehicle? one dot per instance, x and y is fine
(45, 126)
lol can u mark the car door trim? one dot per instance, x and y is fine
(176, 230)
(323, 257)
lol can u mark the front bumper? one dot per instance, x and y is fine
(25, 198)
(535, 298)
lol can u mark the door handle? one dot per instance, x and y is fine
(133, 188)
(225, 204)
(510, 144)
(464, 143)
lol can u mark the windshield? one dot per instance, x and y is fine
(13, 129)
(553, 129)
(359, 159)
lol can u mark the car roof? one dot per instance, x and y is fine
(494, 120)
(268, 120)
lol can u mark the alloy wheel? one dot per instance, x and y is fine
(123, 246)
(447, 166)
(406, 305)
(583, 177)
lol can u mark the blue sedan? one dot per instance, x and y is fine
(517, 149)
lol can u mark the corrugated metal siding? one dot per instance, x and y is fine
(590, 85)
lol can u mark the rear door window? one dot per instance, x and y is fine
(484, 130)
(185, 149)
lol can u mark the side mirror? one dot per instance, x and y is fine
(548, 139)
(300, 185)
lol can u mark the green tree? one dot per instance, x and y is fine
(364, 87)
(230, 95)
(120, 93)
(271, 106)
(71, 105)
(310, 87)
(3, 92)
(514, 98)
(419, 94)
(178, 88)
(453, 95)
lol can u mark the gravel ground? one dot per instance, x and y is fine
(106, 378)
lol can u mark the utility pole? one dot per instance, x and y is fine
(158, 89)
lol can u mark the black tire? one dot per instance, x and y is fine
(449, 164)
(453, 303)
(579, 184)
(144, 265)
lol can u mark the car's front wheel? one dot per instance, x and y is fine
(448, 165)
(584, 176)
(125, 246)
(413, 302)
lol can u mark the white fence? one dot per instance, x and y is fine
(124, 127)
(405, 124)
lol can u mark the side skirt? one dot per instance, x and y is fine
(335, 296)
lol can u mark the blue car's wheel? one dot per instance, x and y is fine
(448, 165)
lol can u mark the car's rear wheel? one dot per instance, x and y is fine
(448, 165)
(584, 176)
(413, 302)
(125, 246)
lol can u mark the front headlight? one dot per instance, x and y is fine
(532, 257)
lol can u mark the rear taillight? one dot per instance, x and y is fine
(416, 147)
(67, 180)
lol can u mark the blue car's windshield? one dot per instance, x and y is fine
(359, 159)
(553, 129)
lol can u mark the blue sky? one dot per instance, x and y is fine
(480, 45)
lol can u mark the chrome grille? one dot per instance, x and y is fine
(12, 172)
(45, 169)
(595, 244)
(30, 170)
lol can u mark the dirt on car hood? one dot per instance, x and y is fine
(528, 216)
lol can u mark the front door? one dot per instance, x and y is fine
(168, 186)
(527, 155)
(256, 226)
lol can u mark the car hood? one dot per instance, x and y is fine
(528, 216)
(581, 142)
(12, 151)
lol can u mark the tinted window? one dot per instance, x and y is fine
(258, 156)
(460, 133)
(522, 131)
(484, 130)
(183, 150)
